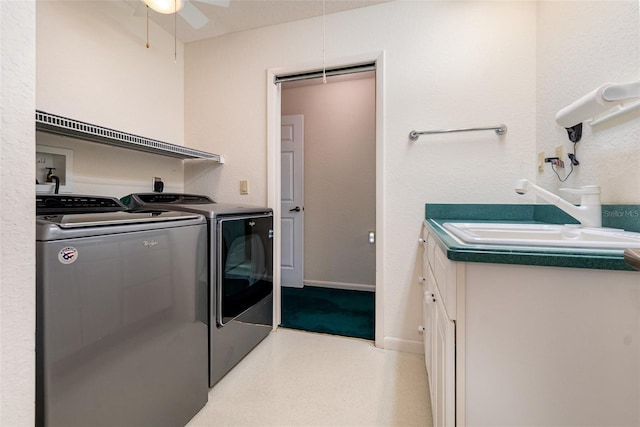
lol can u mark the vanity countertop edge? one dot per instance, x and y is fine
(614, 216)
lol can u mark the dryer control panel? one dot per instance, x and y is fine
(139, 199)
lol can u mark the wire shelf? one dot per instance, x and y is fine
(51, 123)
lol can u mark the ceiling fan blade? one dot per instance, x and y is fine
(221, 3)
(192, 15)
(139, 8)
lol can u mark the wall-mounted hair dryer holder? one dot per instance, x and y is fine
(610, 98)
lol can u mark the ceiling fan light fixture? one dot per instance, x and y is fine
(165, 6)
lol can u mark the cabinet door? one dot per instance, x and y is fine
(427, 281)
(428, 319)
(445, 273)
(423, 243)
(443, 402)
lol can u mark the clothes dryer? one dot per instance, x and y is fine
(240, 275)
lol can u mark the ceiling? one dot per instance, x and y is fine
(244, 15)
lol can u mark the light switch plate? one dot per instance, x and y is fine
(244, 187)
(541, 161)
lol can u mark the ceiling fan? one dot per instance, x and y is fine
(185, 9)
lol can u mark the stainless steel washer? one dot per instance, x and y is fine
(240, 275)
(121, 335)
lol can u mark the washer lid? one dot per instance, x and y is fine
(114, 218)
(57, 227)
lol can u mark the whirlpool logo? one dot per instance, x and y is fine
(252, 223)
(149, 243)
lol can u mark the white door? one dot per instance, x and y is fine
(292, 199)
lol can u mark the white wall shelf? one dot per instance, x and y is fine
(51, 123)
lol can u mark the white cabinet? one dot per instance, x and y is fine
(443, 366)
(428, 322)
(510, 345)
(427, 281)
(438, 308)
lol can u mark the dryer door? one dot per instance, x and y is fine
(245, 264)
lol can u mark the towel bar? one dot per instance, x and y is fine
(500, 130)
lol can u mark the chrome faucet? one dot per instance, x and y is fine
(589, 213)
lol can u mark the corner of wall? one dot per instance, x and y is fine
(17, 208)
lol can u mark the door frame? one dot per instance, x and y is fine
(274, 103)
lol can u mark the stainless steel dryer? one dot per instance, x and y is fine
(240, 273)
(121, 335)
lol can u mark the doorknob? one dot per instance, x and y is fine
(296, 209)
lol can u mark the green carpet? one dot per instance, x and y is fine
(333, 311)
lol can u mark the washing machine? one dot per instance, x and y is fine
(121, 333)
(240, 256)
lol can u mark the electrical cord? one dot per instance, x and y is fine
(574, 161)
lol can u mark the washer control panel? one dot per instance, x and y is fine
(59, 204)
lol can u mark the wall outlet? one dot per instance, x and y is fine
(559, 152)
(158, 185)
(541, 161)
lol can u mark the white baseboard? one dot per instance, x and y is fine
(340, 285)
(406, 346)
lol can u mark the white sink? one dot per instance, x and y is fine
(542, 235)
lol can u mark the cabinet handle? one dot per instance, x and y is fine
(420, 328)
(430, 296)
(421, 280)
(422, 241)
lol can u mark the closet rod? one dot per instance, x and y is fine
(500, 130)
(350, 69)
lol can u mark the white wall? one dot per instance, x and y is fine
(17, 206)
(339, 179)
(93, 66)
(447, 64)
(113, 171)
(579, 49)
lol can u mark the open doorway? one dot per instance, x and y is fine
(328, 212)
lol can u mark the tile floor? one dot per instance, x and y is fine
(296, 378)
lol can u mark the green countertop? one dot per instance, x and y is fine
(626, 217)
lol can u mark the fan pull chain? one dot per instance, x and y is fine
(324, 37)
(147, 27)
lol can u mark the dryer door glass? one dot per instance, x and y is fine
(245, 264)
